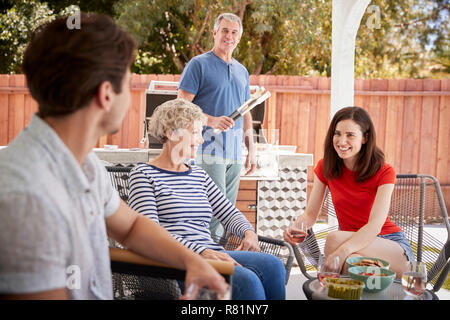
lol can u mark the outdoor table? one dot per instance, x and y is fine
(314, 291)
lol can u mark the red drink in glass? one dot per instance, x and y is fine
(298, 236)
(323, 275)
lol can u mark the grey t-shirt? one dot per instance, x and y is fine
(52, 213)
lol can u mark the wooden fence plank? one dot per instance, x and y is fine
(358, 87)
(429, 131)
(4, 111)
(322, 119)
(314, 102)
(303, 116)
(446, 87)
(394, 120)
(16, 112)
(135, 119)
(379, 107)
(271, 113)
(409, 133)
(443, 158)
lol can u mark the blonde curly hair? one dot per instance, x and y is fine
(172, 115)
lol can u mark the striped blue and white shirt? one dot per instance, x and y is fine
(183, 203)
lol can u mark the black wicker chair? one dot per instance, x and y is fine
(413, 196)
(168, 287)
(138, 278)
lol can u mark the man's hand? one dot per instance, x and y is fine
(223, 123)
(202, 274)
(250, 242)
(250, 162)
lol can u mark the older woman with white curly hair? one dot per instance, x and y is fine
(183, 198)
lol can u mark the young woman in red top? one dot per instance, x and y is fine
(361, 186)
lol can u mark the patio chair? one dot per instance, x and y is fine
(120, 179)
(414, 196)
(138, 278)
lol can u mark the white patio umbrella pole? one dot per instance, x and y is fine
(346, 18)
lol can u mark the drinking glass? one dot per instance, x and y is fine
(414, 278)
(328, 268)
(195, 292)
(298, 230)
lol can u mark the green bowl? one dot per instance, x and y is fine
(373, 283)
(351, 261)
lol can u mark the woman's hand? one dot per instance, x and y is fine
(292, 235)
(342, 256)
(312, 210)
(250, 242)
(292, 232)
(217, 255)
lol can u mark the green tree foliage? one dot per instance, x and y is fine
(18, 19)
(100, 6)
(284, 37)
(402, 38)
(280, 37)
(409, 38)
(16, 25)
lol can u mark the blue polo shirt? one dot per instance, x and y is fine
(219, 88)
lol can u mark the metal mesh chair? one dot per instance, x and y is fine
(139, 278)
(138, 282)
(120, 180)
(307, 253)
(414, 196)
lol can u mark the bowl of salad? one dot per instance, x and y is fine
(375, 279)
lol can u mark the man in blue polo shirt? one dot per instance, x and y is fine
(219, 85)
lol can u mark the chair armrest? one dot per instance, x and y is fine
(127, 256)
(271, 240)
(281, 244)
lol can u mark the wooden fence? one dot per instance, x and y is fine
(411, 117)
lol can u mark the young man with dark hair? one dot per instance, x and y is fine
(56, 201)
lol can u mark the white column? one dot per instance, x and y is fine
(346, 18)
